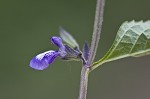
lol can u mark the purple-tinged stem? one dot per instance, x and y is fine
(94, 45)
(96, 30)
(83, 82)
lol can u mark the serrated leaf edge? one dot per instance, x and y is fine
(102, 60)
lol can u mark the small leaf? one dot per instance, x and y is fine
(132, 39)
(67, 38)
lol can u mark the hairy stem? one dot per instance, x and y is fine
(96, 30)
(94, 44)
(83, 82)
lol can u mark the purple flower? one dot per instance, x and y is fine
(42, 61)
(68, 51)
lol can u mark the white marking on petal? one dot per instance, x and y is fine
(47, 53)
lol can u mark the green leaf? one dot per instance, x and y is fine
(132, 39)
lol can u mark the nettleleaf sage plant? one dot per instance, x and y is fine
(132, 39)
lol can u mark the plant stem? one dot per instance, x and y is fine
(83, 82)
(94, 44)
(96, 30)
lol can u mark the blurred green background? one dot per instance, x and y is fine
(25, 29)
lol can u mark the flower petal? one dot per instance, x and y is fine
(42, 61)
(58, 42)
